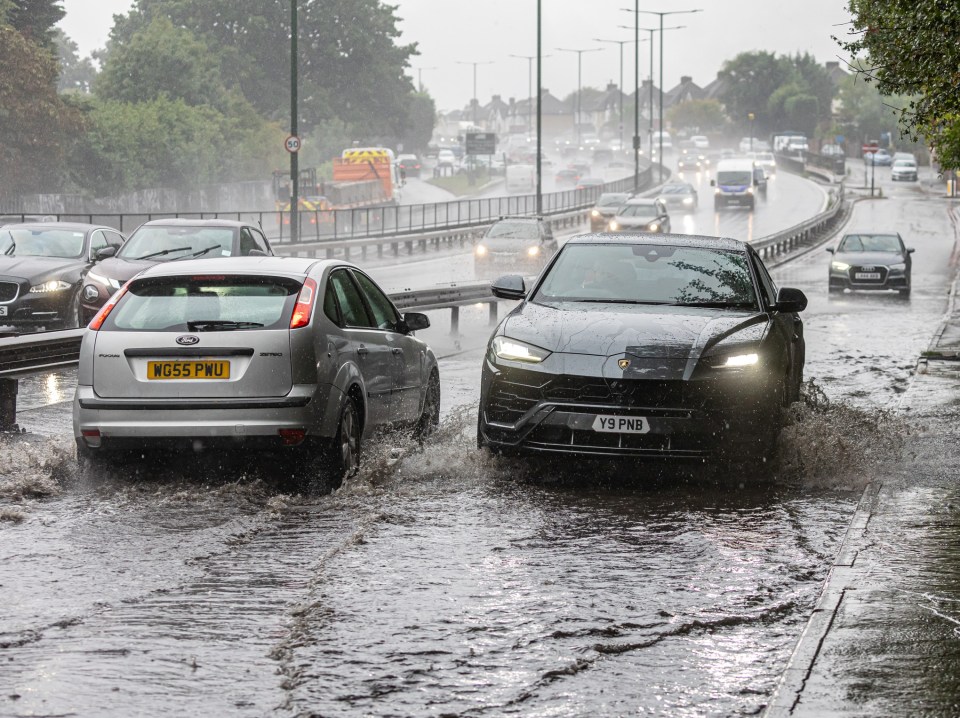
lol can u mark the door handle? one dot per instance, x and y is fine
(362, 350)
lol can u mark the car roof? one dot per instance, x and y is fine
(678, 240)
(244, 265)
(69, 226)
(184, 222)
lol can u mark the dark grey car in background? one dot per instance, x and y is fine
(874, 261)
(298, 357)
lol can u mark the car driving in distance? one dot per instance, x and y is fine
(879, 158)
(700, 142)
(409, 165)
(876, 261)
(43, 266)
(903, 170)
(446, 158)
(641, 214)
(643, 346)
(679, 195)
(166, 240)
(606, 207)
(766, 161)
(518, 244)
(689, 161)
(299, 357)
(734, 184)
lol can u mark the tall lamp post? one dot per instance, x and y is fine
(750, 116)
(539, 197)
(420, 77)
(621, 43)
(636, 10)
(576, 119)
(294, 129)
(636, 96)
(529, 59)
(475, 102)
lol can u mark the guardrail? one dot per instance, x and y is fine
(829, 167)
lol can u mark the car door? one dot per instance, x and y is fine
(407, 351)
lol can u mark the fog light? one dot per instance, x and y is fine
(292, 437)
(90, 293)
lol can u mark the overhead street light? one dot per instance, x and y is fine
(529, 59)
(420, 76)
(576, 119)
(621, 43)
(636, 98)
(476, 102)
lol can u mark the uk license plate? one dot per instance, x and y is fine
(182, 370)
(867, 275)
(3, 311)
(621, 424)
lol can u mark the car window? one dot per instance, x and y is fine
(97, 242)
(261, 241)
(163, 243)
(639, 210)
(247, 242)
(330, 306)
(43, 243)
(114, 239)
(348, 297)
(767, 286)
(871, 243)
(384, 314)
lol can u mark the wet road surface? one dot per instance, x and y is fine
(445, 582)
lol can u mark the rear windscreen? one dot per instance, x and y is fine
(198, 304)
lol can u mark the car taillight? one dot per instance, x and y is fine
(301, 310)
(105, 310)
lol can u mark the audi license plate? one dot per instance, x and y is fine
(3, 311)
(188, 370)
(866, 275)
(621, 424)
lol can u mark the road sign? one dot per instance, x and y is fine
(481, 143)
(292, 144)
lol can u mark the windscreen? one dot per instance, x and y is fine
(676, 189)
(198, 304)
(640, 210)
(163, 244)
(649, 274)
(514, 230)
(870, 243)
(611, 200)
(41, 243)
(734, 178)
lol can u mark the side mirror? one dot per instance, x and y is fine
(511, 286)
(790, 300)
(831, 250)
(713, 183)
(105, 252)
(910, 250)
(415, 321)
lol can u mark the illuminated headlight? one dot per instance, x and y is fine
(481, 250)
(653, 227)
(515, 350)
(613, 226)
(594, 213)
(54, 285)
(688, 200)
(749, 190)
(898, 267)
(533, 251)
(840, 266)
(105, 281)
(741, 360)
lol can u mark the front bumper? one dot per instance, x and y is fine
(529, 411)
(888, 280)
(35, 309)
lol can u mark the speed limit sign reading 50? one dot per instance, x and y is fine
(292, 143)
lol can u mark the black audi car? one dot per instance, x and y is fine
(875, 261)
(640, 345)
(42, 268)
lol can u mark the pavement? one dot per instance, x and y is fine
(884, 638)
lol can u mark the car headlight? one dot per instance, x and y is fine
(741, 360)
(481, 250)
(749, 190)
(54, 285)
(105, 281)
(516, 350)
(533, 251)
(840, 266)
(688, 200)
(898, 267)
(653, 226)
(594, 213)
(613, 226)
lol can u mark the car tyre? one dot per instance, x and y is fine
(73, 318)
(904, 293)
(90, 461)
(342, 455)
(430, 416)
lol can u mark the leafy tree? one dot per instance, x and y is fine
(750, 79)
(76, 75)
(421, 119)
(35, 20)
(816, 81)
(702, 115)
(35, 123)
(802, 112)
(912, 49)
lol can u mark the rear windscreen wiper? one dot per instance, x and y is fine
(201, 325)
(165, 251)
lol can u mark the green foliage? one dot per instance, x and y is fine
(76, 75)
(35, 20)
(35, 123)
(802, 112)
(751, 79)
(701, 115)
(913, 49)
(422, 116)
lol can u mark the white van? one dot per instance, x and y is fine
(521, 179)
(734, 184)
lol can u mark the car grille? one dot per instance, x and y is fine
(854, 271)
(9, 291)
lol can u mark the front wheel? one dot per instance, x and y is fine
(71, 317)
(430, 416)
(342, 455)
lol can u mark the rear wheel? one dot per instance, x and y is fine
(90, 462)
(342, 456)
(430, 416)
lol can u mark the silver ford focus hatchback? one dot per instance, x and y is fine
(298, 356)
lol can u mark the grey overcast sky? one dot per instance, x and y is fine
(454, 31)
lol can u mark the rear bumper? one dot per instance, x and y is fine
(144, 423)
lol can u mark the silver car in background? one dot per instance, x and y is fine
(295, 356)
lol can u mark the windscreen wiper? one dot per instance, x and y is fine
(197, 254)
(201, 325)
(165, 251)
(13, 244)
(618, 301)
(716, 305)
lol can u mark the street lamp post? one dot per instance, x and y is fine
(475, 102)
(294, 129)
(750, 116)
(621, 43)
(576, 119)
(420, 77)
(539, 197)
